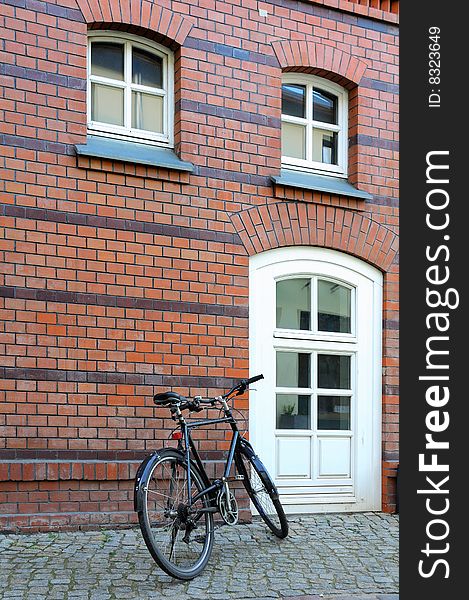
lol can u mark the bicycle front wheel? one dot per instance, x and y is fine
(262, 492)
(179, 538)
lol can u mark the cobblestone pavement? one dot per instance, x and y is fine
(327, 556)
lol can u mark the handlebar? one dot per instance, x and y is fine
(254, 379)
(240, 388)
(195, 404)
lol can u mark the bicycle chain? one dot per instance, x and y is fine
(201, 538)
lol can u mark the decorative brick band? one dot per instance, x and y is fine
(101, 221)
(62, 455)
(147, 15)
(70, 297)
(321, 59)
(281, 224)
(106, 377)
(44, 455)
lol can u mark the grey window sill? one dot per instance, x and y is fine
(319, 183)
(132, 152)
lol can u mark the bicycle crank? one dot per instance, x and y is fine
(227, 506)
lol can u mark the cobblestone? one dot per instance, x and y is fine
(325, 557)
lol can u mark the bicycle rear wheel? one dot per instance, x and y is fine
(262, 492)
(180, 540)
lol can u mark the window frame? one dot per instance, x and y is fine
(314, 333)
(297, 164)
(129, 41)
(313, 390)
(315, 342)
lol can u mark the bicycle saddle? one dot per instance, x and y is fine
(165, 398)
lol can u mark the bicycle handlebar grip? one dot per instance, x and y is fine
(253, 379)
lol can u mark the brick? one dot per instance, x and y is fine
(121, 279)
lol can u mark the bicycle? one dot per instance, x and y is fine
(176, 501)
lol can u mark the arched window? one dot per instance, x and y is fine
(315, 333)
(130, 88)
(314, 124)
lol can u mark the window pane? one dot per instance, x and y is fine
(294, 304)
(334, 307)
(147, 69)
(293, 411)
(293, 369)
(107, 60)
(324, 107)
(293, 140)
(333, 371)
(147, 112)
(293, 100)
(334, 412)
(107, 104)
(325, 146)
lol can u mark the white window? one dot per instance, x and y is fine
(130, 88)
(314, 383)
(314, 125)
(315, 334)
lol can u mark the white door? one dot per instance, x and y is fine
(315, 333)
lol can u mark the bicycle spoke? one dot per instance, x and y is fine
(169, 519)
(261, 498)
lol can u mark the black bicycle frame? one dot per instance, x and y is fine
(190, 447)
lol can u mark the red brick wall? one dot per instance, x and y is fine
(117, 279)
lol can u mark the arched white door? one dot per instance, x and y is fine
(315, 332)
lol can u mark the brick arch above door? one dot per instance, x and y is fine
(282, 224)
(144, 15)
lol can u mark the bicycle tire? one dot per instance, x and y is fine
(262, 491)
(170, 490)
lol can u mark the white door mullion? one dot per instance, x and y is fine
(314, 407)
(293, 390)
(334, 392)
(314, 395)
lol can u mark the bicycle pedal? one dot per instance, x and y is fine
(239, 477)
(199, 539)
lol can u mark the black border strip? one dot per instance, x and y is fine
(123, 302)
(98, 221)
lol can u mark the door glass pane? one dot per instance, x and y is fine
(147, 69)
(294, 304)
(107, 60)
(107, 104)
(293, 369)
(333, 371)
(293, 140)
(147, 112)
(293, 100)
(324, 107)
(325, 146)
(334, 412)
(293, 411)
(334, 307)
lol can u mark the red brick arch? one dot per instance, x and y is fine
(136, 13)
(292, 224)
(294, 55)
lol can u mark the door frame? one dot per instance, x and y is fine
(319, 261)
